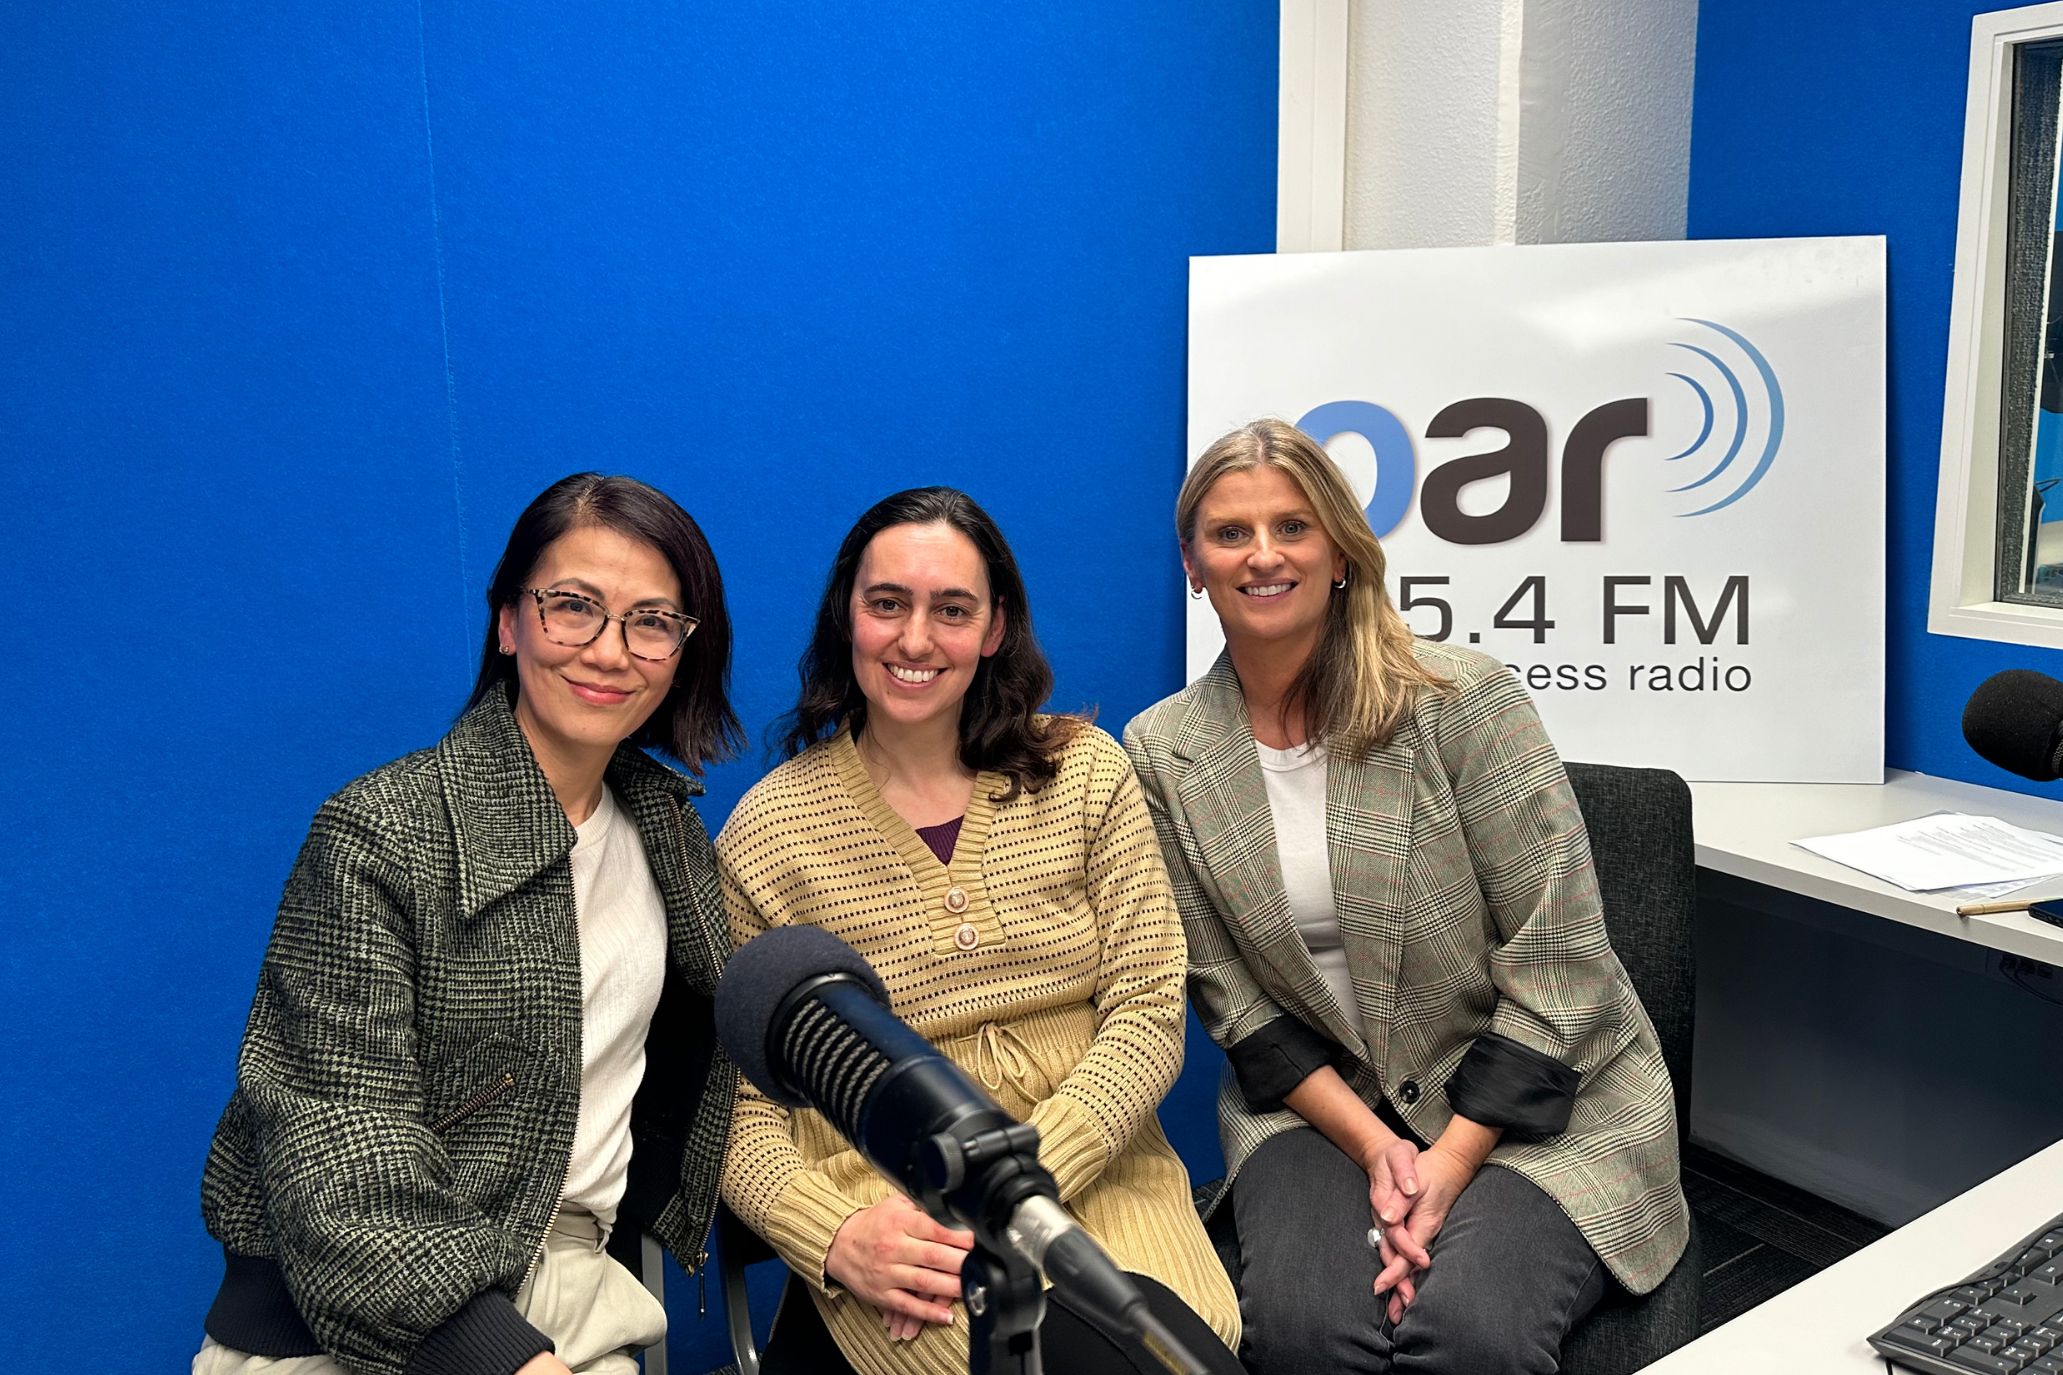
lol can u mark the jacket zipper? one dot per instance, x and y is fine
(473, 1104)
(566, 1173)
(558, 1206)
(545, 1240)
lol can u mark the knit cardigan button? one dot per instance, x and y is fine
(956, 899)
(966, 937)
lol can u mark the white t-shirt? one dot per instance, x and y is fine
(622, 967)
(1296, 802)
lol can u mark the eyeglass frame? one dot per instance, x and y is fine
(692, 623)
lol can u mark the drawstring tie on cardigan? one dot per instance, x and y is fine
(1001, 1055)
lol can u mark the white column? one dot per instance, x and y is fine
(1311, 113)
(1487, 121)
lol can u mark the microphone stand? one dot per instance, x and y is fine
(1005, 1305)
(980, 1168)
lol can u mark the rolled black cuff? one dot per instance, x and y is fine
(486, 1337)
(1501, 1083)
(254, 1310)
(1270, 1062)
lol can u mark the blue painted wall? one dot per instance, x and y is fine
(299, 305)
(1846, 117)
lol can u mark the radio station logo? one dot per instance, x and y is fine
(1738, 420)
(1739, 435)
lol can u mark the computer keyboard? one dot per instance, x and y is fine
(2007, 1319)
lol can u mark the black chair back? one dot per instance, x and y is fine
(1647, 864)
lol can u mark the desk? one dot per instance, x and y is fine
(1823, 1325)
(1746, 829)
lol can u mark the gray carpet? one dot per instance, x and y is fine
(1761, 1236)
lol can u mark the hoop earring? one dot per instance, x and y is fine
(1340, 585)
(1195, 592)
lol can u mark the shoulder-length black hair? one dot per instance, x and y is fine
(1000, 728)
(695, 723)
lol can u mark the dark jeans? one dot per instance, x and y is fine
(1068, 1345)
(1510, 1273)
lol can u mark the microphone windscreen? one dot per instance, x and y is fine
(760, 976)
(2013, 719)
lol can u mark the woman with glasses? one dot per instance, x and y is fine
(997, 868)
(1448, 1127)
(482, 1045)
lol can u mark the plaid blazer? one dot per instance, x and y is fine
(409, 1080)
(1467, 908)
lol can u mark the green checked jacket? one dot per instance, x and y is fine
(398, 1140)
(1474, 938)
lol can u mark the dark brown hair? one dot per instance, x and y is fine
(695, 723)
(1000, 726)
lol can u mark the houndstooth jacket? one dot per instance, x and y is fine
(409, 1081)
(1474, 937)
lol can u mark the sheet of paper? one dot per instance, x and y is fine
(1976, 892)
(1945, 850)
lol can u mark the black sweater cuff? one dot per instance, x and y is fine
(1501, 1083)
(1270, 1062)
(486, 1337)
(254, 1310)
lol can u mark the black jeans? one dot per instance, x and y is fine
(1510, 1273)
(1068, 1345)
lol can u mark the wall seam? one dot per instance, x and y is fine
(458, 496)
(1511, 45)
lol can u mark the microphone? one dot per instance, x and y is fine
(2015, 720)
(806, 1019)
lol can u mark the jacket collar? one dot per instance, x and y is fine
(1216, 727)
(508, 822)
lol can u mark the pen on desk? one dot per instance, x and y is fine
(1988, 909)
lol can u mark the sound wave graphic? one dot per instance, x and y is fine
(1739, 423)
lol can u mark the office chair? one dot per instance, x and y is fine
(737, 1247)
(1640, 844)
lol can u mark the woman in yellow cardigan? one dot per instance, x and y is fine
(999, 869)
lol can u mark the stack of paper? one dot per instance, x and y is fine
(1947, 850)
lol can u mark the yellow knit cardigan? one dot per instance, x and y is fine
(1046, 960)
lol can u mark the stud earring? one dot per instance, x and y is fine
(506, 649)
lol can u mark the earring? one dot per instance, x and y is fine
(506, 649)
(1196, 591)
(1341, 584)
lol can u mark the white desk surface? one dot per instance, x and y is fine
(1823, 1325)
(1746, 829)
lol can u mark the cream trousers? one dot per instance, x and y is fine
(595, 1311)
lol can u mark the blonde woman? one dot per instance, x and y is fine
(1446, 1120)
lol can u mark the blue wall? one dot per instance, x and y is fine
(302, 303)
(1846, 117)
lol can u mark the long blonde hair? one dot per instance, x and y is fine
(1360, 682)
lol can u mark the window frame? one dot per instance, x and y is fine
(1963, 597)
